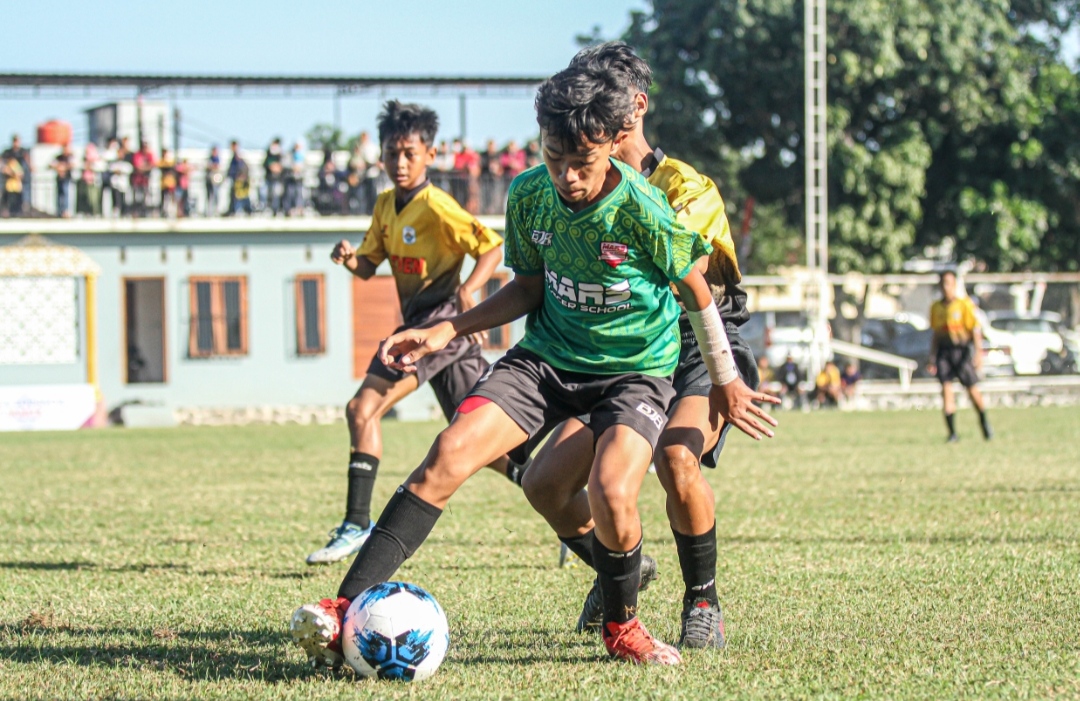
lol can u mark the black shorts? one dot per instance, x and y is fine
(452, 372)
(956, 363)
(539, 397)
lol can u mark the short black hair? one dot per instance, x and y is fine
(948, 272)
(400, 120)
(579, 104)
(619, 59)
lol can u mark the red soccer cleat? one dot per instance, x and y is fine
(316, 628)
(630, 641)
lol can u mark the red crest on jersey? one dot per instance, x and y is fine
(612, 253)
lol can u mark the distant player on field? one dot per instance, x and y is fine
(956, 352)
(554, 482)
(425, 235)
(594, 248)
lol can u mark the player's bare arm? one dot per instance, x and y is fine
(345, 255)
(976, 341)
(732, 399)
(516, 299)
(481, 273)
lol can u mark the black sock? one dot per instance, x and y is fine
(402, 528)
(984, 422)
(697, 558)
(362, 470)
(619, 574)
(950, 419)
(515, 472)
(582, 546)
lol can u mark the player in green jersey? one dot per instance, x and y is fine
(594, 248)
(555, 481)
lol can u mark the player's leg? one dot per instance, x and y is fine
(948, 402)
(692, 515)
(475, 438)
(970, 379)
(622, 459)
(363, 415)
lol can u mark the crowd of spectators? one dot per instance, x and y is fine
(123, 181)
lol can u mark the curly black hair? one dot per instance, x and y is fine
(399, 120)
(619, 59)
(580, 104)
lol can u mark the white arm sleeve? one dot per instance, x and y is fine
(714, 344)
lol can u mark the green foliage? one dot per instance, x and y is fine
(860, 557)
(325, 136)
(948, 119)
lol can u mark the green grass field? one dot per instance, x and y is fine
(860, 557)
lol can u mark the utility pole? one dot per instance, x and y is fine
(817, 180)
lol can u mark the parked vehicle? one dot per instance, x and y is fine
(1034, 338)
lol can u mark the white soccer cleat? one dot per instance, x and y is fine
(345, 541)
(316, 629)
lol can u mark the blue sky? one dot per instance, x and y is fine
(421, 37)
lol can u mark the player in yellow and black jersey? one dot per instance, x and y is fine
(956, 352)
(425, 235)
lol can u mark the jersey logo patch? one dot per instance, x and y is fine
(541, 238)
(652, 415)
(612, 253)
(408, 235)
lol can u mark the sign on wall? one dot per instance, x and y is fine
(46, 407)
(40, 321)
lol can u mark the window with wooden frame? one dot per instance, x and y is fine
(310, 314)
(498, 338)
(219, 310)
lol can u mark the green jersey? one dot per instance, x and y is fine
(608, 307)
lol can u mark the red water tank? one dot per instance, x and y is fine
(54, 132)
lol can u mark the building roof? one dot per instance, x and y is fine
(37, 256)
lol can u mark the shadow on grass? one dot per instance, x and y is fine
(253, 654)
(82, 565)
(902, 539)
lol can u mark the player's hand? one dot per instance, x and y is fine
(734, 402)
(342, 252)
(932, 369)
(978, 362)
(402, 350)
(465, 302)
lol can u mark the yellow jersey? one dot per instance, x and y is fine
(426, 244)
(699, 207)
(954, 322)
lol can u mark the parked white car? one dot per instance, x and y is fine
(1030, 336)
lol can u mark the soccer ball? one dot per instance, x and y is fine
(395, 630)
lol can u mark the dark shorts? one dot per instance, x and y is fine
(452, 372)
(956, 363)
(539, 397)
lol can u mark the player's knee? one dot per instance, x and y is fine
(679, 469)
(450, 451)
(613, 500)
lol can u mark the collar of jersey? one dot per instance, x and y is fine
(599, 203)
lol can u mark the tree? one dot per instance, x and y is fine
(941, 116)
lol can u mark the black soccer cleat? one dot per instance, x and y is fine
(953, 438)
(592, 612)
(702, 625)
(987, 429)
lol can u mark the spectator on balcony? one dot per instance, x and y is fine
(236, 165)
(513, 160)
(467, 165)
(532, 154)
(169, 183)
(294, 182)
(849, 380)
(17, 152)
(214, 179)
(183, 188)
(241, 189)
(368, 153)
(142, 166)
(329, 197)
(441, 176)
(12, 172)
(88, 189)
(274, 172)
(491, 179)
(63, 164)
(118, 162)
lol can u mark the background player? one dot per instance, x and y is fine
(593, 247)
(555, 480)
(956, 352)
(426, 235)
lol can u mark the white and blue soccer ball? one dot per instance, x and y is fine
(395, 630)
